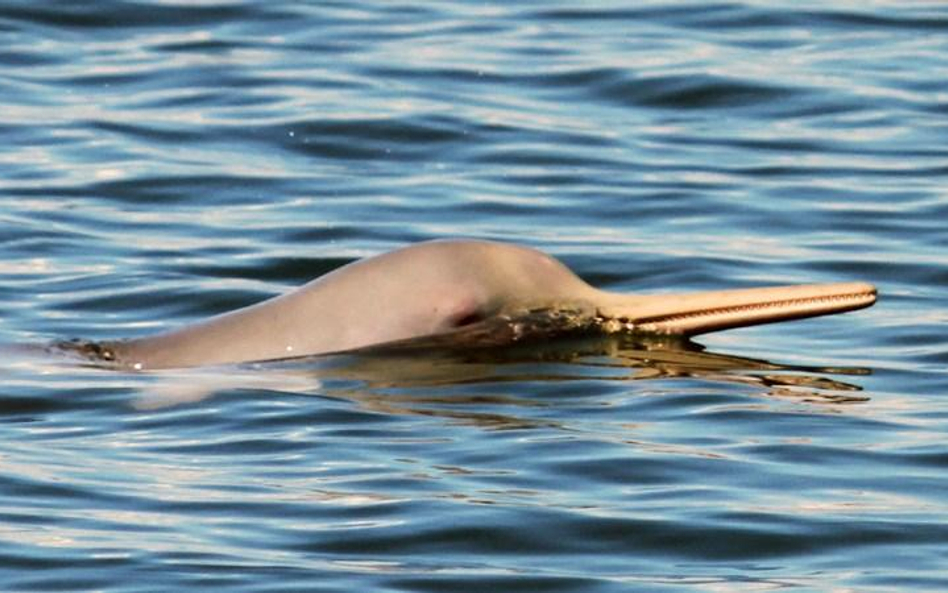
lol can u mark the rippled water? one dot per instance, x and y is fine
(163, 161)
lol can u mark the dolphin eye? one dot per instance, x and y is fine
(464, 318)
(472, 317)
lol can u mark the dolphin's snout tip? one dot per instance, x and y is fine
(860, 292)
(697, 313)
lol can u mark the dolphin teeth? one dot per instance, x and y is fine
(429, 290)
(656, 323)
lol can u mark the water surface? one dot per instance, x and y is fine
(161, 161)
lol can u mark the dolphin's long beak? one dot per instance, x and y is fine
(702, 312)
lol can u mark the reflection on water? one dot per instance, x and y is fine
(442, 382)
(163, 162)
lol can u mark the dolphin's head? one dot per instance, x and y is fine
(439, 286)
(496, 278)
(465, 282)
(493, 293)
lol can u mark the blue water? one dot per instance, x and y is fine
(160, 162)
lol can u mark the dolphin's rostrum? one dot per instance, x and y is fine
(453, 287)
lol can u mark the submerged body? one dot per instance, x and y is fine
(440, 287)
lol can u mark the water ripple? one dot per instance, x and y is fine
(164, 162)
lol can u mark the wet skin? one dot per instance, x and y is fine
(496, 292)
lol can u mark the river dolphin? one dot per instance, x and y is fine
(453, 287)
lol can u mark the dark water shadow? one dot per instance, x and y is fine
(460, 376)
(425, 377)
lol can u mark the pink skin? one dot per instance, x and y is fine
(436, 287)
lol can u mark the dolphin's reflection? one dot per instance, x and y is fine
(427, 377)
